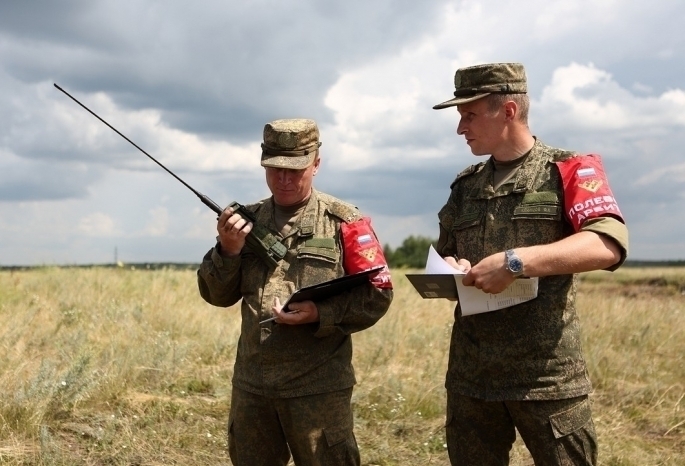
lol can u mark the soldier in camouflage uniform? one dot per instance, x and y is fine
(293, 377)
(528, 210)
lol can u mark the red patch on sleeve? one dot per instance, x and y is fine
(361, 251)
(586, 190)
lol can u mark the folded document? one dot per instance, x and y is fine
(330, 288)
(441, 280)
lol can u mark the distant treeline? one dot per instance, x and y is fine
(412, 253)
(121, 265)
(636, 263)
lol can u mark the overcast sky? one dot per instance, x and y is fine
(193, 83)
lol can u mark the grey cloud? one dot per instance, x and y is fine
(31, 181)
(213, 68)
(222, 69)
(400, 191)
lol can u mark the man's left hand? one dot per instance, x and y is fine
(304, 312)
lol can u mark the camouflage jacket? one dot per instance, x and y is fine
(530, 351)
(294, 360)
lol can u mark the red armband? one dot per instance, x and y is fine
(361, 251)
(586, 190)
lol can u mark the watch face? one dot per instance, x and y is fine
(515, 265)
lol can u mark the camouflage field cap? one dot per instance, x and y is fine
(475, 82)
(290, 143)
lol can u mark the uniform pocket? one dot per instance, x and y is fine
(538, 206)
(335, 435)
(537, 219)
(569, 421)
(328, 255)
(319, 248)
(341, 446)
(316, 262)
(575, 434)
(467, 220)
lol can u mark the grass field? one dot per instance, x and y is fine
(130, 367)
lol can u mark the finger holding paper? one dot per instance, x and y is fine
(472, 288)
(462, 265)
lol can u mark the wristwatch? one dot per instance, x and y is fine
(513, 263)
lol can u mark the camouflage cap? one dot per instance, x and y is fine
(475, 82)
(290, 143)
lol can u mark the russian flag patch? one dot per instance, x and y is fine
(585, 172)
(364, 239)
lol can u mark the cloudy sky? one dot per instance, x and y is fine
(193, 83)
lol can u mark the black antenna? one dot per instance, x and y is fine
(205, 200)
(260, 239)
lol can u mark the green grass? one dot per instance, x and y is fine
(122, 367)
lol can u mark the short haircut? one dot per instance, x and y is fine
(495, 101)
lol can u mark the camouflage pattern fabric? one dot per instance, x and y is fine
(290, 143)
(475, 82)
(282, 361)
(531, 351)
(556, 432)
(316, 429)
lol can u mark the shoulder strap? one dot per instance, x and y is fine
(345, 212)
(467, 172)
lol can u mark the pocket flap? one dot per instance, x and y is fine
(329, 255)
(467, 220)
(335, 435)
(569, 421)
(539, 205)
(319, 248)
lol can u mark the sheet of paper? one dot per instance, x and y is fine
(437, 265)
(475, 301)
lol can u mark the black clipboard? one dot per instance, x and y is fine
(330, 288)
(432, 286)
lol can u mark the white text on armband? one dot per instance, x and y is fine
(593, 207)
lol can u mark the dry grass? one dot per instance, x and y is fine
(131, 367)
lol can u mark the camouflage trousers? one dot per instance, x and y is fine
(316, 429)
(556, 432)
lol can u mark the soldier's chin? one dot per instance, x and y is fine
(285, 200)
(479, 153)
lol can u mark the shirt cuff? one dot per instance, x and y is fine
(225, 263)
(612, 228)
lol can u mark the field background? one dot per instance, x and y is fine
(122, 366)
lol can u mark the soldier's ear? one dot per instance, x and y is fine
(510, 110)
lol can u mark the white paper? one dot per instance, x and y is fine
(475, 301)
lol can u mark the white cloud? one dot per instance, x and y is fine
(98, 224)
(672, 172)
(158, 224)
(171, 147)
(583, 96)
(604, 76)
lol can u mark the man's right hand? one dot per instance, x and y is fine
(462, 264)
(233, 230)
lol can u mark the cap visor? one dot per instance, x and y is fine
(459, 101)
(290, 162)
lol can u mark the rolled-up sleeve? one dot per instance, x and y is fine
(612, 228)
